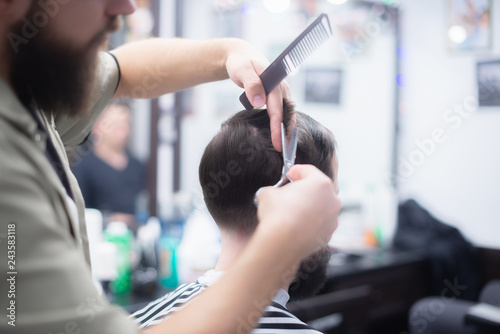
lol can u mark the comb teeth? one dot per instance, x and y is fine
(310, 42)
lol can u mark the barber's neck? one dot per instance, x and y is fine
(232, 244)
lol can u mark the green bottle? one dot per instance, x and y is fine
(119, 234)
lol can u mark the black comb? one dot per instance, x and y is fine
(290, 59)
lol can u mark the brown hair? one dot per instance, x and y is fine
(240, 159)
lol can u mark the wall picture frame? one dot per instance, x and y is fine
(488, 83)
(323, 85)
(469, 25)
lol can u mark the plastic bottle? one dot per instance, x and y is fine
(142, 207)
(119, 234)
(168, 262)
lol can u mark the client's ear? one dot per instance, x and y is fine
(289, 116)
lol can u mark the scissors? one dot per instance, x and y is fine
(289, 153)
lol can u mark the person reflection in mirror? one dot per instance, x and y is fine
(110, 178)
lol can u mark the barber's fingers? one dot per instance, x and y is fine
(254, 89)
(313, 176)
(275, 111)
(285, 89)
(244, 67)
(318, 192)
(299, 172)
(307, 179)
(244, 70)
(253, 86)
(308, 207)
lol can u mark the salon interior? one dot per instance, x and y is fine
(410, 90)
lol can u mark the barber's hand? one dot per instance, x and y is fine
(305, 210)
(244, 65)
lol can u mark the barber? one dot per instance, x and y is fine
(54, 84)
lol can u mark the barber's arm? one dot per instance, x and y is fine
(154, 67)
(295, 221)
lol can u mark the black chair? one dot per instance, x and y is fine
(447, 314)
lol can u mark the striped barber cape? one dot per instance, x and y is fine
(276, 319)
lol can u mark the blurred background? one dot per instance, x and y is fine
(410, 90)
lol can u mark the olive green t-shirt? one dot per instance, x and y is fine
(46, 285)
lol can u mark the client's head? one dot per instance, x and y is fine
(241, 158)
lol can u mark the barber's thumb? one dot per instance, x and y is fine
(256, 93)
(259, 194)
(299, 172)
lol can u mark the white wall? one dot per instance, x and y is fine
(457, 178)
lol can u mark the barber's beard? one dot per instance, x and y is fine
(53, 74)
(311, 276)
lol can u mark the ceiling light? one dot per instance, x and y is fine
(457, 34)
(337, 2)
(276, 6)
